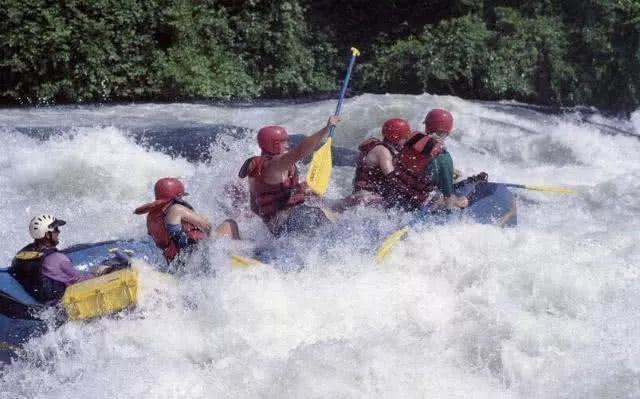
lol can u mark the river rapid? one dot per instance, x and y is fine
(550, 309)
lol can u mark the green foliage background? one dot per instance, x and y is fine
(556, 52)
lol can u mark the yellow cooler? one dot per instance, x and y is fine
(102, 295)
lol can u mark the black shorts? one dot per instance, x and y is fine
(302, 219)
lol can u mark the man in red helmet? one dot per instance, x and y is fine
(172, 222)
(376, 160)
(440, 171)
(276, 194)
(408, 187)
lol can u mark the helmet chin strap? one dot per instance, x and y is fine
(46, 241)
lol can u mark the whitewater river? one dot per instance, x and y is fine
(550, 309)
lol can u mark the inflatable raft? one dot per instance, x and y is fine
(489, 203)
(99, 296)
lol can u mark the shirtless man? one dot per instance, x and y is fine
(377, 158)
(173, 223)
(276, 193)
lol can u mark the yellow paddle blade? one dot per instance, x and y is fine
(319, 172)
(329, 214)
(558, 190)
(385, 248)
(239, 262)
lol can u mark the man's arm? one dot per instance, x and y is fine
(57, 266)
(382, 157)
(442, 172)
(454, 201)
(278, 165)
(178, 213)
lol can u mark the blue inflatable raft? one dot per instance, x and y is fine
(490, 203)
(19, 311)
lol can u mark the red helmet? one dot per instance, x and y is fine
(395, 130)
(438, 120)
(168, 188)
(271, 139)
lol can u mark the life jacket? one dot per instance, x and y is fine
(158, 230)
(267, 199)
(26, 268)
(370, 177)
(410, 185)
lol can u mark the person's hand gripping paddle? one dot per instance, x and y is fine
(319, 172)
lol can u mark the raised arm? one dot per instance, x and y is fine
(282, 163)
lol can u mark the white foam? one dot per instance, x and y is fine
(549, 309)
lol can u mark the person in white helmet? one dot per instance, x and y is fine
(44, 272)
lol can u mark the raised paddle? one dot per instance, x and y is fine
(319, 172)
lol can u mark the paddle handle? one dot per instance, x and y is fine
(345, 84)
(549, 189)
(514, 185)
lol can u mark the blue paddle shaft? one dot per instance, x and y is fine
(345, 83)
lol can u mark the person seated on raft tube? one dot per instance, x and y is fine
(377, 159)
(172, 222)
(407, 187)
(44, 272)
(275, 192)
(438, 125)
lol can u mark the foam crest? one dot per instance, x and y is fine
(91, 177)
(549, 309)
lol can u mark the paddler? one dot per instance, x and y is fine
(43, 271)
(410, 186)
(376, 161)
(173, 223)
(276, 193)
(439, 125)
(440, 171)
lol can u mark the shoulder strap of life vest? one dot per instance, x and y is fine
(30, 252)
(414, 140)
(180, 201)
(252, 167)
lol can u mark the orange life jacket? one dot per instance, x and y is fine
(268, 199)
(368, 177)
(410, 186)
(158, 231)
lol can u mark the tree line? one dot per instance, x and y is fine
(552, 52)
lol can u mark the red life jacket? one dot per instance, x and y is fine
(410, 185)
(158, 231)
(268, 199)
(368, 177)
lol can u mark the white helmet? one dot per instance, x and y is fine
(40, 225)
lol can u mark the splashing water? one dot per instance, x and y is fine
(549, 309)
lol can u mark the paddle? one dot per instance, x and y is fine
(319, 172)
(387, 245)
(390, 242)
(240, 262)
(548, 189)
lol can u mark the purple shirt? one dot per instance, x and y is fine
(57, 266)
